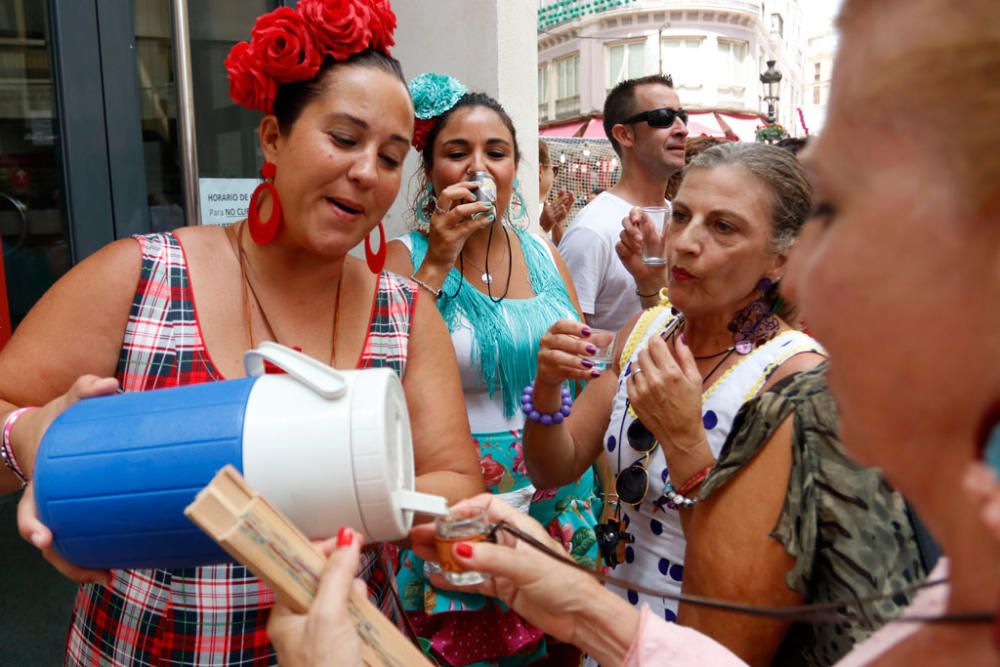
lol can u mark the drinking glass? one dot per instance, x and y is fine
(468, 524)
(653, 226)
(604, 341)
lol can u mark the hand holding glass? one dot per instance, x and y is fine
(653, 226)
(465, 524)
(604, 341)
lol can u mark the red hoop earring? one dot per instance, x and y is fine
(264, 231)
(376, 260)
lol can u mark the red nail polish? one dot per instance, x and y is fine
(464, 550)
(344, 537)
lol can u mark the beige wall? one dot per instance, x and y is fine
(489, 45)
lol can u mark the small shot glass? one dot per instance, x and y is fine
(654, 225)
(604, 341)
(468, 524)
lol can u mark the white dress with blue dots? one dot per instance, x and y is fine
(656, 559)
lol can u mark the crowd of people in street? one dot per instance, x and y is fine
(793, 403)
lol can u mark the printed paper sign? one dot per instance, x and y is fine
(225, 200)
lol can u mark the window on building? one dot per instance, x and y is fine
(624, 61)
(817, 71)
(816, 95)
(680, 58)
(777, 25)
(732, 56)
(543, 91)
(568, 85)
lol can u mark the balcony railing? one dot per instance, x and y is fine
(568, 106)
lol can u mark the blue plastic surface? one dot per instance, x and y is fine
(114, 474)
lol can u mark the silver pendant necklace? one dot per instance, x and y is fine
(486, 276)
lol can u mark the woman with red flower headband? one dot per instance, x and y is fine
(180, 308)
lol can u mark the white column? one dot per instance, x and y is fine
(490, 46)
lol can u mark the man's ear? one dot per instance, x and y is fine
(269, 135)
(624, 135)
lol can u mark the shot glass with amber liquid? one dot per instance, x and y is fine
(468, 524)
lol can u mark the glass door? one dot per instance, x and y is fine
(226, 135)
(32, 222)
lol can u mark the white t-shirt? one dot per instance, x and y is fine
(605, 289)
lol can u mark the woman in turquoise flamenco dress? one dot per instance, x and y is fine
(499, 288)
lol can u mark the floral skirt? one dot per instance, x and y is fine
(467, 629)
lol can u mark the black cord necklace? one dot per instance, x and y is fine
(717, 354)
(510, 265)
(821, 612)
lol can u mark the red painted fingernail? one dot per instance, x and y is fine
(684, 338)
(595, 373)
(591, 349)
(587, 363)
(344, 537)
(464, 550)
(585, 332)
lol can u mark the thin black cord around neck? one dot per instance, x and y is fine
(820, 612)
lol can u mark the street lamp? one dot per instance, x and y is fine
(771, 78)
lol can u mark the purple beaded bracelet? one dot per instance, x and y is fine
(545, 418)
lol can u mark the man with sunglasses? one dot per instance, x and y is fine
(647, 128)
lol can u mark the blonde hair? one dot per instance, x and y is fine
(544, 159)
(942, 86)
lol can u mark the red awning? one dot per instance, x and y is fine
(744, 127)
(594, 129)
(564, 129)
(704, 124)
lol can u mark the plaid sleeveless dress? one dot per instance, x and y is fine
(214, 615)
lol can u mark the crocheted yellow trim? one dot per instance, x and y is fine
(800, 348)
(641, 327)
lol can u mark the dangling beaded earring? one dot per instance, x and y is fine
(376, 259)
(517, 213)
(756, 324)
(424, 208)
(264, 231)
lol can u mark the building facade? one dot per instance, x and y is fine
(820, 51)
(715, 51)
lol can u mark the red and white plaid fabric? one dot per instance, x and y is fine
(215, 615)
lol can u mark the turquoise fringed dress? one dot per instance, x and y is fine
(497, 349)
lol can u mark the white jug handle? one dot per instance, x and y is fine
(319, 377)
(425, 503)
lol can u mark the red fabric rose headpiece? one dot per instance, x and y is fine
(289, 45)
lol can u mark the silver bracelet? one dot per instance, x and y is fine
(677, 500)
(436, 292)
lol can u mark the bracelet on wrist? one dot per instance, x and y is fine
(676, 500)
(646, 296)
(695, 481)
(421, 283)
(7, 447)
(545, 418)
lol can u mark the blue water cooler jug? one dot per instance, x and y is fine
(328, 448)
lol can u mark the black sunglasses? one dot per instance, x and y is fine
(658, 117)
(632, 483)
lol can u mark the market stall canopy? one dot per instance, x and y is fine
(720, 124)
(568, 129)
